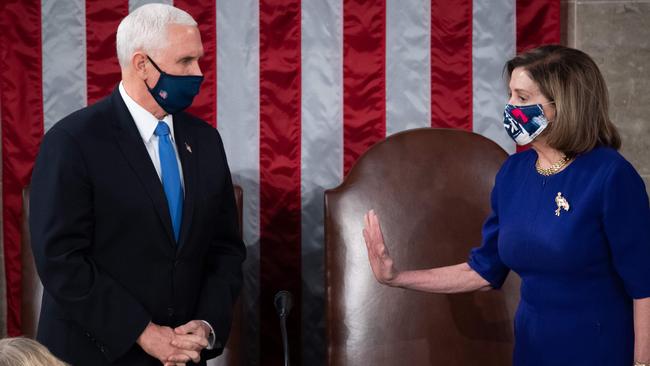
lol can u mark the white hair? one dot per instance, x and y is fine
(145, 29)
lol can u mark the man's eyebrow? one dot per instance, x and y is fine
(187, 58)
(190, 57)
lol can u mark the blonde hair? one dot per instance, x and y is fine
(572, 80)
(26, 352)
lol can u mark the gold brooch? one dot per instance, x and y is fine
(562, 204)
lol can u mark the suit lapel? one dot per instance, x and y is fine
(130, 142)
(187, 151)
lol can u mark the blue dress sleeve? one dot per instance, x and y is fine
(626, 221)
(485, 259)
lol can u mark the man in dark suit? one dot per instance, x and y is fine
(133, 218)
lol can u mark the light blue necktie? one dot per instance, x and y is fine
(171, 178)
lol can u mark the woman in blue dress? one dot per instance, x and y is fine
(570, 216)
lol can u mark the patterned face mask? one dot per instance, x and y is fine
(524, 122)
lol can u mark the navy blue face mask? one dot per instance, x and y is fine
(174, 93)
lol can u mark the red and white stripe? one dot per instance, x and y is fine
(299, 89)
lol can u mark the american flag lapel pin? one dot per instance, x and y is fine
(188, 148)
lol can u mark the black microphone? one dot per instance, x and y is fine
(283, 302)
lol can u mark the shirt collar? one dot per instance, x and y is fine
(144, 121)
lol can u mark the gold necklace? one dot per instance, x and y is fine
(554, 168)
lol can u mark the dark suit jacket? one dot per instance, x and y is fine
(103, 243)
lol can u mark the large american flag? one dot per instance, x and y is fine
(298, 90)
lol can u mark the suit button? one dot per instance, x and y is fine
(170, 311)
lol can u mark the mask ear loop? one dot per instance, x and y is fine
(154, 65)
(547, 103)
(157, 68)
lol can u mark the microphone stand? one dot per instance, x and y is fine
(285, 341)
(283, 302)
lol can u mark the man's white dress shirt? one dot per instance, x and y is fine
(146, 124)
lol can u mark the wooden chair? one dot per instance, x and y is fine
(32, 290)
(431, 189)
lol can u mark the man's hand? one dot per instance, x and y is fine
(157, 341)
(192, 336)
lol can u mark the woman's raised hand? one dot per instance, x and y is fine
(380, 260)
